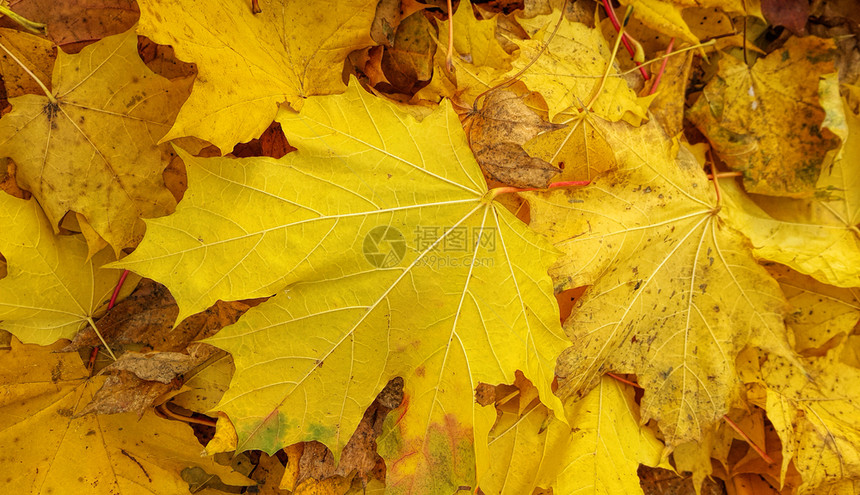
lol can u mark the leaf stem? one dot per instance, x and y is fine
(449, 59)
(662, 67)
(496, 191)
(624, 37)
(113, 297)
(611, 58)
(95, 328)
(28, 71)
(748, 440)
(33, 27)
(163, 409)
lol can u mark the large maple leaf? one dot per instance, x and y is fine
(396, 262)
(250, 63)
(675, 293)
(92, 146)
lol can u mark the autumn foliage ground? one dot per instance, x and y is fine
(397, 246)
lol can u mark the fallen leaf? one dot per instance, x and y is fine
(674, 295)
(278, 55)
(35, 52)
(66, 155)
(147, 317)
(766, 121)
(813, 412)
(385, 254)
(792, 14)
(579, 150)
(52, 289)
(531, 449)
(569, 71)
(663, 16)
(497, 133)
(124, 392)
(409, 61)
(816, 236)
(821, 316)
(48, 450)
(479, 60)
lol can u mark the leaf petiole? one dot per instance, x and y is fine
(33, 27)
(496, 191)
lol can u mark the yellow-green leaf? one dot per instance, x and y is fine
(52, 288)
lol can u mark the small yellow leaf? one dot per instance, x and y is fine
(52, 287)
(664, 17)
(600, 454)
(569, 71)
(250, 63)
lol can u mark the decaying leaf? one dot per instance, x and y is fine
(675, 293)
(766, 121)
(404, 267)
(48, 450)
(79, 20)
(497, 133)
(250, 63)
(68, 152)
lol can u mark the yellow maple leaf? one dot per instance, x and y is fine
(599, 454)
(250, 63)
(479, 59)
(675, 293)
(91, 146)
(814, 413)
(52, 288)
(395, 261)
(766, 121)
(664, 17)
(569, 71)
(821, 316)
(50, 450)
(817, 236)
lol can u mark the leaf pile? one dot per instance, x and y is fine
(377, 246)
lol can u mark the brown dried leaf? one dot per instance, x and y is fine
(146, 317)
(497, 134)
(78, 20)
